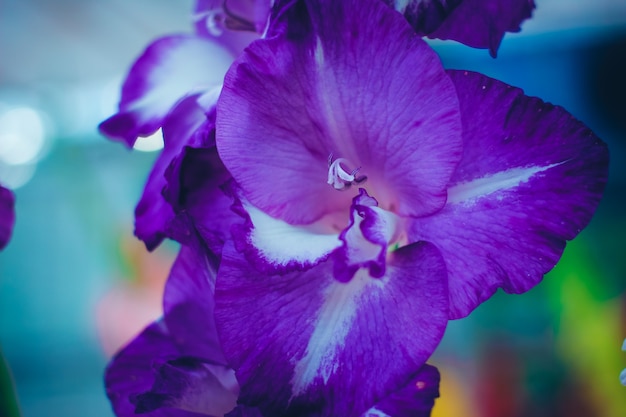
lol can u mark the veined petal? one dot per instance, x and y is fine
(171, 68)
(358, 86)
(530, 179)
(186, 125)
(415, 399)
(274, 246)
(329, 348)
(483, 23)
(7, 215)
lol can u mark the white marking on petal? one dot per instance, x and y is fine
(280, 243)
(189, 66)
(375, 412)
(319, 54)
(468, 191)
(334, 322)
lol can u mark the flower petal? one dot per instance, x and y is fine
(366, 239)
(243, 411)
(359, 86)
(530, 179)
(175, 367)
(424, 15)
(483, 23)
(274, 246)
(194, 181)
(234, 23)
(192, 385)
(416, 399)
(169, 69)
(189, 296)
(130, 372)
(330, 348)
(7, 215)
(187, 125)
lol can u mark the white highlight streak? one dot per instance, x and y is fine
(333, 325)
(504, 180)
(374, 412)
(280, 242)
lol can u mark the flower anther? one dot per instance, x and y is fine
(339, 177)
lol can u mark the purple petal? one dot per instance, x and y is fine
(191, 385)
(329, 348)
(175, 367)
(7, 215)
(359, 88)
(366, 239)
(243, 411)
(149, 377)
(234, 23)
(415, 399)
(424, 15)
(189, 296)
(483, 23)
(194, 181)
(530, 179)
(130, 372)
(169, 69)
(186, 125)
(273, 246)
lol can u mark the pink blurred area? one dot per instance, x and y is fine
(135, 301)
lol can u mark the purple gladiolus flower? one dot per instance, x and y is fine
(369, 197)
(7, 215)
(181, 68)
(380, 195)
(176, 367)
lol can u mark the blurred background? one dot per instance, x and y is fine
(75, 284)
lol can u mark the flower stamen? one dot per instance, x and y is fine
(339, 177)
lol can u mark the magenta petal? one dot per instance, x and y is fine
(169, 69)
(329, 348)
(360, 87)
(186, 125)
(7, 215)
(530, 179)
(483, 23)
(415, 399)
